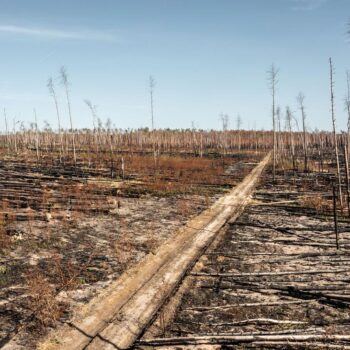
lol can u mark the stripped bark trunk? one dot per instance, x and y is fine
(335, 216)
(347, 177)
(335, 133)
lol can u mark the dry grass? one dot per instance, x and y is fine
(187, 170)
(42, 299)
(5, 240)
(44, 284)
(123, 249)
(183, 207)
(317, 202)
(65, 273)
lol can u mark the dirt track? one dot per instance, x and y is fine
(118, 317)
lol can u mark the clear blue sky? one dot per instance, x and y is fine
(207, 57)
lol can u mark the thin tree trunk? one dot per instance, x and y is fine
(335, 134)
(7, 132)
(300, 99)
(273, 74)
(36, 137)
(335, 216)
(347, 104)
(346, 152)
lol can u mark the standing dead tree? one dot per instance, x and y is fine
(224, 120)
(52, 91)
(224, 136)
(151, 92)
(347, 106)
(331, 70)
(289, 118)
(7, 138)
(347, 143)
(273, 81)
(300, 100)
(239, 124)
(346, 152)
(65, 83)
(15, 122)
(279, 133)
(93, 110)
(36, 136)
(335, 217)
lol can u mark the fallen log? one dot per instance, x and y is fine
(281, 273)
(259, 321)
(295, 345)
(229, 306)
(242, 339)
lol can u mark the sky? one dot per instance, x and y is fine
(207, 57)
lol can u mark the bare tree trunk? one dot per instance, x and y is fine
(239, 124)
(123, 168)
(291, 138)
(272, 77)
(347, 177)
(52, 91)
(36, 137)
(335, 133)
(300, 100)
(277, 131)
(15, 134)
(151, 90)
(347, 105)
(64, 80)
(94, 119)
(7, 132)
(335, 216)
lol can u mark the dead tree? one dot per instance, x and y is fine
(224, 119)
(151, 92)
(273, 81)
(239, 124)
(93, 110)
(51, 87)
(300, 100)
(335, 217)
(334, 132)
(278, 131)
(347, 106)
(346, 152)
(289, 118)
(36, 137)
(65, 83)
(223, 136)
(7, 139)
(15, 134)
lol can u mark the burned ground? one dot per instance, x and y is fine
(275, 273)
(66, 236)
